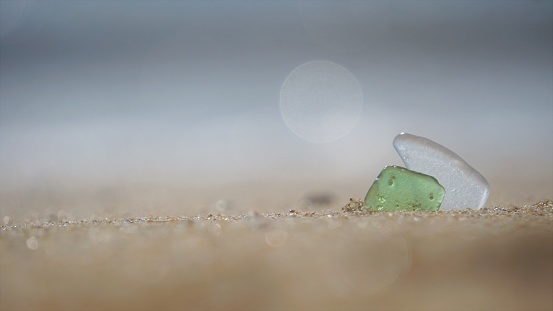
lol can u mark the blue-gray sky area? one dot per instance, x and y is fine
(188, 91)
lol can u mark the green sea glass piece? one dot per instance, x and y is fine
(399, 189)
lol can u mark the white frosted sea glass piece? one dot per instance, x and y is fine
(464, 186)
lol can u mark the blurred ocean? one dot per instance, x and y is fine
(185, 95)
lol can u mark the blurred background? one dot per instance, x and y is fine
(181, 107)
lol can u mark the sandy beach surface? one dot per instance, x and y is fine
(320, 255)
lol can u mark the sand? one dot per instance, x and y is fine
(341, 258)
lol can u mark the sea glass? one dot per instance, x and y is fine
(400, 189)
(465, 187)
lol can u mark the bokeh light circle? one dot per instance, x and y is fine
(321, 101)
